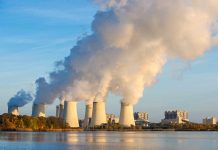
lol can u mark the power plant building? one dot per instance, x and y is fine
(61, 110)
(112, 118)
(13, 110)
(38, 110)
(98, 114)
(141, 118)
(209, 121)
(70, 114)
(175, 117)
(88, 115)
(126, 115)
(57, 111)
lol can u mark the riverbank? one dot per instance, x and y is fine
(41, 130)
(106, 130)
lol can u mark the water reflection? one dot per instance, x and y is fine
(71, 138)
(109, 140)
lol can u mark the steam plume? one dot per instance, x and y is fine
(131, 41)
(20, 99)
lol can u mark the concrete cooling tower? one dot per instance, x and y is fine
(88, 115)
(38, 110)
(126, 115)
(57, 111)
(61, 111)
(98, 114)
(70, 114)
(13, 110)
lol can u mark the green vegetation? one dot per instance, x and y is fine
(188, 126)
(10, 122)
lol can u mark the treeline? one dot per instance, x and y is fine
(8, 121)
(195, 127)
(184, 127)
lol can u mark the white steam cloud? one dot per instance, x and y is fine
(20, 99)
(131, 41)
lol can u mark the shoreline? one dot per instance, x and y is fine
(105, 130)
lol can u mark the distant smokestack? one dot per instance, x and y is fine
(13, 110)
(57, 111)
(126, 115)
(38, 110)
(61, 110)
(88, 115)
(70, 114)
(98, 114)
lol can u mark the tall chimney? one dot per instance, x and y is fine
(61, 110)
(126, 115)
(70, 114)
(57, 111)
(13, 110)
(98, 114)
(88, 115)
(38, 110)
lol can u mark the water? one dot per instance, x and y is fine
(109, 140)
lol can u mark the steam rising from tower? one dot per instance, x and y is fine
(131, 41)
(19, 100)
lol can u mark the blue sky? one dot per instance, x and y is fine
(35, 34)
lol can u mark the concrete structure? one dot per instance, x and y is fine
(175, 117)
(88, 115)
(61, 110)
(57, 111)
(111, 118)
(13, 110)
(70, 114)
(38, 110)
(141, 116)
(126, 115)
(209, 121)
(98, 114)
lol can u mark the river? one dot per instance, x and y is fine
(109, 140)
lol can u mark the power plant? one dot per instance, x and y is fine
(98, 114)
(61, 110)
(57, 111)
(70, 114)
(126, 115)
(38, 110)
(88, 115)
(13, 110)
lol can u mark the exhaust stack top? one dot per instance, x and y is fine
(126, 115)
(98, 114)
(70, 114)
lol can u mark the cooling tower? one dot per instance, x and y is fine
(13, 110)
(70, 114)
(38, 110)
(57, 111)
(61, 110)
(98, 114)
(88, 115)
(126, 115)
